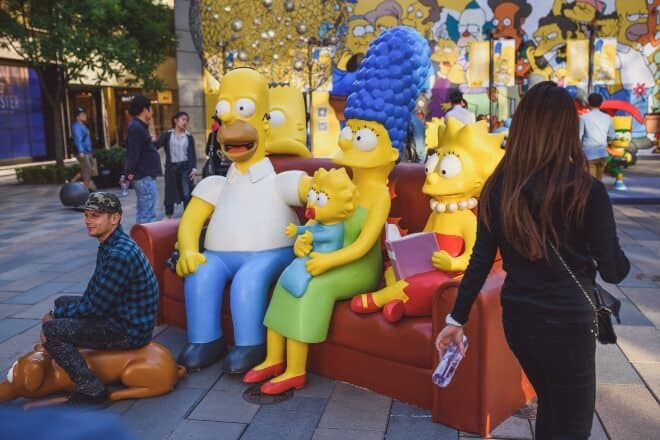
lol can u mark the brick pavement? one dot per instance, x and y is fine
(44, 252)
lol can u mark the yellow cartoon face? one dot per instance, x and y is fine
(622, 131)
(365, 144)
(360, 33)
(332, 196)
(609, 27)
(633, 15)
(287, 122)
(548, 39)
(414, 15)
(465, 157)
(385, 22)
(445, 54)
(242, 108)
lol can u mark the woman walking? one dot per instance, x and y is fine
(552, 205)
(180, 162)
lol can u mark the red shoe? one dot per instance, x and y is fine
(357, 303)
(274, 388)
(394, 310)
(256, 376)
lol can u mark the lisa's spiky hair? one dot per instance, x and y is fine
(389, 79)
(431, 132)
(473, 139)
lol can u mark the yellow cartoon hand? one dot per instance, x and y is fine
(318, 263)
(291, 230)
(441, 260)
(303, 244)
(188, 262)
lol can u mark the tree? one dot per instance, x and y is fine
(67, 39)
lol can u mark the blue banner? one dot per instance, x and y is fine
(22, 131)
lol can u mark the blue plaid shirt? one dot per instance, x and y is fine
(123, 289)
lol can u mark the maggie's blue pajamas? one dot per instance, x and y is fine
(251, 275)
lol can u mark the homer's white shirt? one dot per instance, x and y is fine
(251, 210)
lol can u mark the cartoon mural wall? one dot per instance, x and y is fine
(540, 29)
(627, 33)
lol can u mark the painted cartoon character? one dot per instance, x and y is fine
(287, 121)
(421, 15)
(548, 58)
(509, 17)
(466, 155)
(247, 212)
(471, 25)
(378, 111)
(446, 54)
(330, 202)
(652, 35)
(385, 15)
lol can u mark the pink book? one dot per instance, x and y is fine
(410, 255)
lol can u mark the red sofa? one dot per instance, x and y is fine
(393, 359)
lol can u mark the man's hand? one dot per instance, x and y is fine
(81, 155)
(303, 244)
(47, 317)
(192, 174)
(188, 262)
(449, 334)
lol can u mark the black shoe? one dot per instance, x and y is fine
(241, 358)
(80, 399)
(199, 355)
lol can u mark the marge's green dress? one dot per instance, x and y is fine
(306, 319)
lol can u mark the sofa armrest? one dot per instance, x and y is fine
(157, 242)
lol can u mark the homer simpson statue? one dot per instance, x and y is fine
(248, 211)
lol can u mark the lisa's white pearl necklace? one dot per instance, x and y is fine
(470, 203)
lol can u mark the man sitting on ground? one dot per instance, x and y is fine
(118, 307)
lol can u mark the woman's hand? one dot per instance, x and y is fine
(447, 335)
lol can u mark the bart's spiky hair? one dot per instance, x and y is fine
(472, 139)
(389, 80)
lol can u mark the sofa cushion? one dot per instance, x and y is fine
(408, 341)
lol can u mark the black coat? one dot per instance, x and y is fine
(172, 193)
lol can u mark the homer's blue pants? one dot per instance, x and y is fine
(251, 274)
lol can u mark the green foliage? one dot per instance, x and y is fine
(111, 158)
(40, 174)
(114, 38)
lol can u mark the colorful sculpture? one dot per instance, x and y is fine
(455, 173)
(145, 372)
(330, 202)
(378, 111)
(248, 210)
(287, 121)
(618, 157)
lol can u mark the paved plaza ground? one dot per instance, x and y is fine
(45, 252)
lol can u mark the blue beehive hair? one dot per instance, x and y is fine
(390, 78)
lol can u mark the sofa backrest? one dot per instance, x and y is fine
(409, 204)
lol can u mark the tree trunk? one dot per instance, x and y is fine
(50, 83)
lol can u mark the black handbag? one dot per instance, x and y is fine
(604, 306)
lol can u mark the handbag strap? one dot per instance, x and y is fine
(577, 282)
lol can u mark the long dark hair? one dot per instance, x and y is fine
(543, 141)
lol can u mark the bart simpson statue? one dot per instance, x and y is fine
(330, 202)
(378, 111)
(288, 122)
(456, 170)
(248, 210)
(618, 158)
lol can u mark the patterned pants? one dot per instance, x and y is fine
(64, 335)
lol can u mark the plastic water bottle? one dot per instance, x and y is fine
(123, 183)
(447, 367)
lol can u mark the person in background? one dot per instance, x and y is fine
(218, 163)
(596, 129)
(180, 162)
(459, 110)
(142, 160)
(539, 204)
(117, 310)
(83, 146)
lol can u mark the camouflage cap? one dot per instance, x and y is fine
(103, 202)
